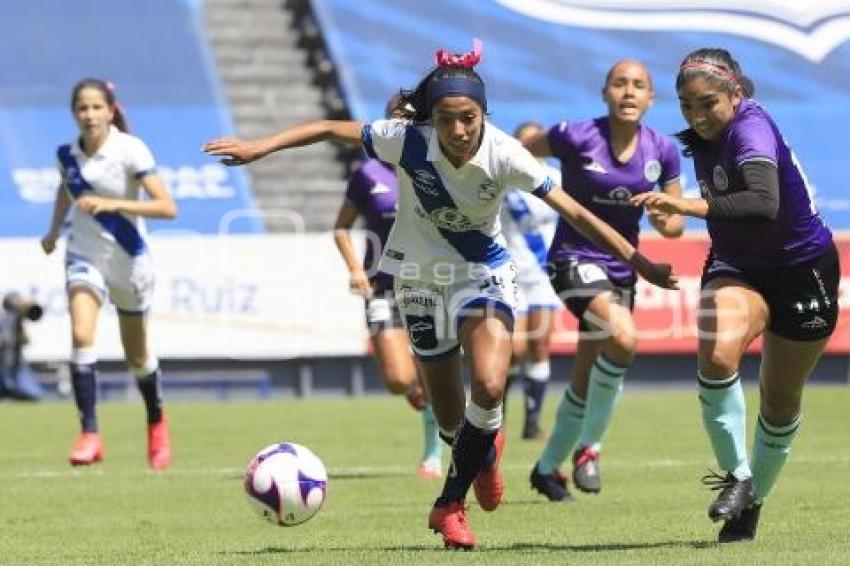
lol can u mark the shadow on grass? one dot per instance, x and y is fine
(527, 547)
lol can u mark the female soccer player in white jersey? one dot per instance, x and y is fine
(528, 225)
(604, 161)
(102, 173)
(453, 279)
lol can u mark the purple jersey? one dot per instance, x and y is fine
(798, 234)
(373, 190)
(594, 177)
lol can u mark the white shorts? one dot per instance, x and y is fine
(433, 313)
(537, 294)
(128, 281)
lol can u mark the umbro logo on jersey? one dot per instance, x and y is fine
(594, 166)
(425, 181)
(379, 189)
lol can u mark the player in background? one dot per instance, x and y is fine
(604, 162)
(529, 224)
(103, 173)
(772, 271)
(372, 193)
(454, 282)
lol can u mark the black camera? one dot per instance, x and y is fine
(18, 305)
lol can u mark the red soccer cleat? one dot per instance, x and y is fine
(489, 485)
(159, 445)
(450, 521)
(88, 449)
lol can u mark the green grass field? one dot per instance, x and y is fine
(652, 509)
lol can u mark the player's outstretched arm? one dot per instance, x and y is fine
(608, 239)
(235, 151)
(667, 224)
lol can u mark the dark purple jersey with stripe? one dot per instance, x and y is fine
(798, 234)
(593, 176)
(373, 190)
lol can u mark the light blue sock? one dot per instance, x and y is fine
(724, 414)
(433, 448)
(564, 435)
(771, 447)
(603, 392)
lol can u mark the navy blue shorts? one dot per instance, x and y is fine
(802, 299)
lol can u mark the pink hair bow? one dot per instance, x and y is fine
(468, 60)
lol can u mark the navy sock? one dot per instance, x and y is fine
(84, 380)
(534, 393)
(150, 388)
(471, 452)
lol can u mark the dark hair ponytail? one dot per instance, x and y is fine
(107, 89)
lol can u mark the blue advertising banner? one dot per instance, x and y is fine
(155, 52)
(546, 60)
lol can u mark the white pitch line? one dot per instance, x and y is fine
(363, 471)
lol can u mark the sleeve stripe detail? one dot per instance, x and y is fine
(366, 137)
(544, 188)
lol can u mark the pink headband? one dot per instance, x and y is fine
(710, 68)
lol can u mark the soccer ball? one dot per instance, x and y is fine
(286, 483)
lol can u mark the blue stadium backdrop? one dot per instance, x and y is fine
(546, 59)
(155, 52)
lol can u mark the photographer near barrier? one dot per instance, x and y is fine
(16, 379)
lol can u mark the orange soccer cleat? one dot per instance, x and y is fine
(450, 521)
(88, 449)
(159, 445)
(489, 485)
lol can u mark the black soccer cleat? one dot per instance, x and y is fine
(735, 496)
(741, 528)
(553, 486)
(531, 431)
(586, 473)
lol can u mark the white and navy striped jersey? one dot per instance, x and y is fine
(529, 225)
(448, 228)
(113, 171)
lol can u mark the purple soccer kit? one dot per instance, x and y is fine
(373, 190)
(798, 234)
(594, 177)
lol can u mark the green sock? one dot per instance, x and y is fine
(564, 435)
(433, 448)
(724, 414)
(603, 392)
(771, 447)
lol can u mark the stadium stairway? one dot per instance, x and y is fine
(269, 84)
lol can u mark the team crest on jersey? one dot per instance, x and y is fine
(426, 182)
(812, 29)
(721, 180)
(452, 219)
(487, 190)
(703, 188)
(652, 170)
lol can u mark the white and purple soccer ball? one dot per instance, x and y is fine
(286, 483)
